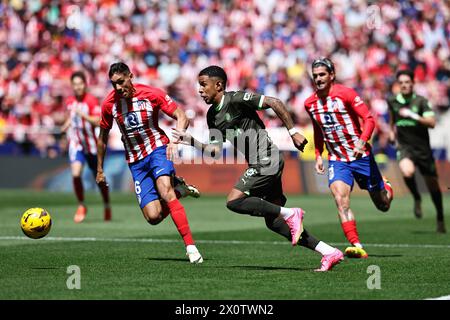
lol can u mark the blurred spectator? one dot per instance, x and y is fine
(264, 45)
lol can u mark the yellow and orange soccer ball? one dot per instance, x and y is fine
(36, 223)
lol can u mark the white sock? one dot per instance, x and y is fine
(191, 248)
(286, 212)
(324, 248)
(357, 244)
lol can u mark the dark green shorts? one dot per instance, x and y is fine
(268, 187)
(425, 162)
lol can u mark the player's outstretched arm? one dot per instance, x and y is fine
(102, 142)
(182, 137)
(280, 109)
(428, 121)
(182, 124)
(182, 119)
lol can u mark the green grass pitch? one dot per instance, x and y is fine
(130, 259)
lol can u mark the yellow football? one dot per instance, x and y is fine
(36, 223)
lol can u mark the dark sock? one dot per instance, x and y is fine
(254, 206)
(104, 190)
(307, 240)
(279, 226)
(412, 186)
(436, 196)
(78, 188)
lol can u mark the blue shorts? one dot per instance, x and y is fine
(365, 171)
(80, 156)
(146, 171)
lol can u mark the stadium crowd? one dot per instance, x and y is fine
(264, 45)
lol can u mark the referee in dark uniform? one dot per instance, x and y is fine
(411, 116)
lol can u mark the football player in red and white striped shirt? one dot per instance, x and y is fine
(83, 118)
(135, 108)
(336, 111)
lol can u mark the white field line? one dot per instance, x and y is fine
(150, 240)
(439, 298)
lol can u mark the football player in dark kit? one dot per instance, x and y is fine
(233, 117)
(411, 117)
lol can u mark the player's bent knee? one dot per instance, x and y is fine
(153, 216)
(235, 205)
(383, 206)
(154, 222)
(153, 219)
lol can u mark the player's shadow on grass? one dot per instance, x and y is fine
(168, 259)
(385, 256)
(423, 232)
(270, 268)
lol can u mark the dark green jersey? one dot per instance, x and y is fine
(235, 119)
(410, 133)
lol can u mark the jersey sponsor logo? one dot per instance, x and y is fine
(131, 121)
(330, 125)
(328, 118)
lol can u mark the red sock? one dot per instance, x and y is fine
(179, 218)
(78, 187)
(350, 231)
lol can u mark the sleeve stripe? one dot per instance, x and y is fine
(261, 102)
(428, 114)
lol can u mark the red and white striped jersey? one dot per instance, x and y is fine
(82, 135)
(137, 119)
(336, 122)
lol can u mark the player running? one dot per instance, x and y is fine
(335, 111)
(83, 118)
(259, 191)
(411, 116)
(135, 108)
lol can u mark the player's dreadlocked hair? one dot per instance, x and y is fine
(215, 71)
(118, 67)
(405, 72)
(78, 74)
